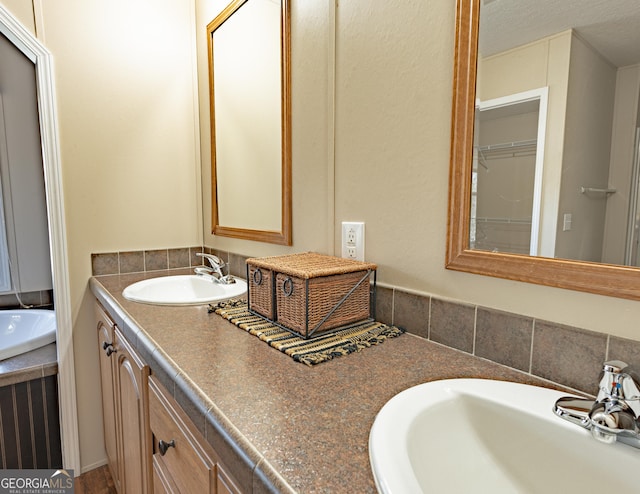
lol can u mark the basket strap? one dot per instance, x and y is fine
(340, 302)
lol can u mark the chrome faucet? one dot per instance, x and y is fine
(615, 413)
(215, 270)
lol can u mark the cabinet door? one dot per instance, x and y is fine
(224, 483)
(131, 381)
(178, 453)
(105, 328)
(182, 458)
(162, 483)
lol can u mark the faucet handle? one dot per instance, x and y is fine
(625, 371)
(614, 366)
(620, 381)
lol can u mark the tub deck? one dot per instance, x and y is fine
(41, 362)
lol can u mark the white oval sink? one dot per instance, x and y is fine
(475, 435)
(182, 290)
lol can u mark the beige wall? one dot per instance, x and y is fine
(23, 12)
(374, 147)
(587, 146)
(625, 121)
(127, 117)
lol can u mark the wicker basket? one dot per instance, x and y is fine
(312, 293)
(261, 287)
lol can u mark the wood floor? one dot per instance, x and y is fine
(97, 481)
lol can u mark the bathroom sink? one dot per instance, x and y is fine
(475, 435)
(182, 290)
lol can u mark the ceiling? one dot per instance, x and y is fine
(612, 27)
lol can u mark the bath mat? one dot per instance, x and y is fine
(350, 339)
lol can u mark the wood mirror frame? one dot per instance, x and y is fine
(284, 236)
(604, 279)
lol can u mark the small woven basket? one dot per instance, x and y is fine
(313, 293)
(262, 291)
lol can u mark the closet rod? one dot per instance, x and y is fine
(508, 145)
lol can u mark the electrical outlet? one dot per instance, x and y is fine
(353, 240)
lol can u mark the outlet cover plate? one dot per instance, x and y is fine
(353, 240)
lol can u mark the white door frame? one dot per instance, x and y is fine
(43, 61)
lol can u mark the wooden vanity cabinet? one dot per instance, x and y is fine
(124, 378)
(106, 329)
(182, 460)
(152, 445)
(131, 385)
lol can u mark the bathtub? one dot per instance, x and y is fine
(24, 330)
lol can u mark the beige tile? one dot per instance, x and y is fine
(452, 324)
(504, 338)
(155, 260)
(384, 305)
(9, 301)
(131, 262)
(104, 263)
(626, 350)
(567, 355)
(238, 265)
(411, 312)
(179, 258)
(195, 260)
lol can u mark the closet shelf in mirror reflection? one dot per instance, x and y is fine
(523, 221)
(597, 191)
(514, 149)
(509, 146)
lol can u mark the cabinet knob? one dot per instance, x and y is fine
(109, 349)
(164, 446)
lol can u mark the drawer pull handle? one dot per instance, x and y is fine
(257, 277)
(108, 348)
(164, 446)
(287, 287)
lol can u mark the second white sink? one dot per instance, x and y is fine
(474, 435)
(182, 290)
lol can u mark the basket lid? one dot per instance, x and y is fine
(310, 264)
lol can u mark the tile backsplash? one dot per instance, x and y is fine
(42, 299)
(562, 354)
(160, 259)
(566, 355)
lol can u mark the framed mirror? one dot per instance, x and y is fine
(584, 217)
(250, 108)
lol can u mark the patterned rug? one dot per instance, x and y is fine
(326, 346)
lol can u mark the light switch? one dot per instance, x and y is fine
(566, 223)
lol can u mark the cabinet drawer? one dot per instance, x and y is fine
(184, 460)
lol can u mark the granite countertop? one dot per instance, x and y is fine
(297, 428)
(41, 362)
